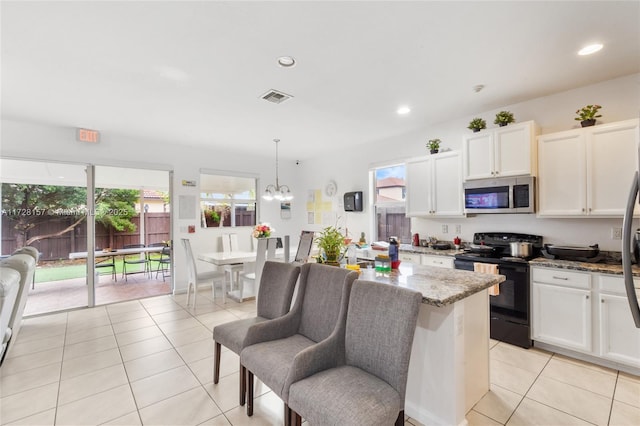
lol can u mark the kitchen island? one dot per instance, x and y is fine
(449, 367)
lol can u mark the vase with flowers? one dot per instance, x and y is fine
(587, 115)
(261, 231)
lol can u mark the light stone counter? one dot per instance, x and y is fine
(408, 248)
(603, 268)
(439, 286)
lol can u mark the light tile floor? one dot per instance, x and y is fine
(150, 361)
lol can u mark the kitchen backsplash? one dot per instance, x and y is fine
(574, 232)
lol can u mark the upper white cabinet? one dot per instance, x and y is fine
(504, 151)
(434, 185)
(587, 171)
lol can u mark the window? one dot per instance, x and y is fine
(227, 201)
(389, 204)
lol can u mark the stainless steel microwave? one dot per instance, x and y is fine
(500, 195)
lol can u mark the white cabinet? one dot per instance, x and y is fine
(439, 261)
(405, 257)
(505, 151)
(568, 312)
(434, 185)
(619, 338)
(587, 172)
(562, 308)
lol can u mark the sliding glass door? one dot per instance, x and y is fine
(78, 217)
(44, 205)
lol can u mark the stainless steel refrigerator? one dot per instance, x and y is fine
(629, 244)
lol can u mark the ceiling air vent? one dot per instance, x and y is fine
(275, 96)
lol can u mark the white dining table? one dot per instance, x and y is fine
(237, 257)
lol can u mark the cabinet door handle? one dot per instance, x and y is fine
(589, 209)
(587, 296)
(560, 278)
(497, 173)
(583, 210)
(601, 300)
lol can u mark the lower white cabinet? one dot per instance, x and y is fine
(440, 261)
(405, 257)
(619, 338)
(562, 316)
(585, 312)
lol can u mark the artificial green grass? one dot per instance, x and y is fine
(66, 272)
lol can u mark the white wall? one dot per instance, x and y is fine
(55, 143)
(620, 100)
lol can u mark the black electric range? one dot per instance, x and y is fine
(510, 308)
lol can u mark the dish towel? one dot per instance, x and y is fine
(488, 268)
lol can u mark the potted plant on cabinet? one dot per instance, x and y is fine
(587, 115)
(503, 118)
(433, 145)
(477, 124)
(331, 243)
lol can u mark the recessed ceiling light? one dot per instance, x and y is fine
(588, 50)
(286, 61)
(404, 110)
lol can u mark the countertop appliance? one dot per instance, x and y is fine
(510, 309)
(500, 195)
(628, 249)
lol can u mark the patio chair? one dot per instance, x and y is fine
(137, 261)
(164, 263)
(104, 263)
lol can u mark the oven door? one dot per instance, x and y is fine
(512, 303)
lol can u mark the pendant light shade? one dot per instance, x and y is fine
(277, 191)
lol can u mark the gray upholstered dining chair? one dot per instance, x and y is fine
(314, 327)
(369, 388)
(277, 284)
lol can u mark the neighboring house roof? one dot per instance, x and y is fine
(389, 182)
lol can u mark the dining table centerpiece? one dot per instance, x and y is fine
(261, 231)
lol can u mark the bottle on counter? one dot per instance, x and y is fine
(393, 252)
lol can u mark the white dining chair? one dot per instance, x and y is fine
(194, 278)
(266, 250)
(230, 244)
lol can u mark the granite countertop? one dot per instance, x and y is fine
(614, 268)
(408, 248)
(439, 286)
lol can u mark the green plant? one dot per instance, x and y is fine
(331, 242)
(589, 112)
(433, 144)
(503, 118)
(477, 124)
(212, 215)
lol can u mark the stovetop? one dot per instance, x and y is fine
(497, 259)
(501, 240)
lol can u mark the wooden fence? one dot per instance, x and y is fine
(156, 229)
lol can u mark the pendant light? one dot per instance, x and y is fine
(277, 191)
